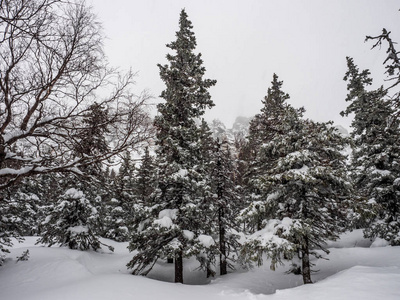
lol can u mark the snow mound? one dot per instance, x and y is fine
(355, 283)
(60, 273)
(351, 239)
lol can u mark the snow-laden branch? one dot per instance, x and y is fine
(52, 70)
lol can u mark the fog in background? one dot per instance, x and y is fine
(244, 42)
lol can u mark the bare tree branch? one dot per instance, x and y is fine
(392, 61)
(52, 69)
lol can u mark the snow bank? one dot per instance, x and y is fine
(356, 283)
(351, 239)
(60, 273)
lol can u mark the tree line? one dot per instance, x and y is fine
(280, 193)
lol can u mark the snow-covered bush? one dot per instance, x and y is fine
(72, 222)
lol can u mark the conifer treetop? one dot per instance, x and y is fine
(275, 93)
(186, 92)
(185, 37)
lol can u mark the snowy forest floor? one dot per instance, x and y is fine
(355, 270)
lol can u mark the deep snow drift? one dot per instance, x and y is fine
(355, 270)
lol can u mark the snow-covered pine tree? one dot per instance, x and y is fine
(124, 181)
(376, 154)
(303, 189)
(263, 128)
(90, 141)
(9, 224)
(25, 202)
(224, 203)
(117, 203)
(207, 249)
(114, 221)
(28, 209)
(73, 218)
(136, 188)
(145, 181)
(22, 207)
(218, 130)
(174, 225)
(72, 222)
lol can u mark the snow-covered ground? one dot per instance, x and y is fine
(355, 270)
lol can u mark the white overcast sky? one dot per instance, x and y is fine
(243, 42)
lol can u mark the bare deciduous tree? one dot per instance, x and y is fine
(52, 69)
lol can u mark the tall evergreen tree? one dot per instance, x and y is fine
(74, 216)
(145, 181)
(303, 188)
(9, 224)
(264, 127)
(224, 203)
(376, 154)
(124, 181)
(91, 139)
(141, 195)
(173, 227)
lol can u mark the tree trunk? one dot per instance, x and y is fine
(222, 244)
(306, 270)
(259, 219)
(210, 272)
(179, 267)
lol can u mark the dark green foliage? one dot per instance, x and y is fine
(123, 185)
(275, 119)
(263, 125)
(20, 211)
(72, 221)
(376, 155)
(94, 181)
(223, 204)
(174, 223)
(9, 225)
(300, 179)
(91, 139)
(146, 179)
(73, 216)
(115, 220)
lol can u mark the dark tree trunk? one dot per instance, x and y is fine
(210, 272)
(306, 269)
(259, 219)
(222, 243)
(179, 267)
